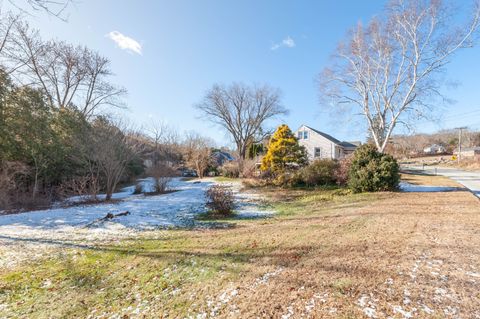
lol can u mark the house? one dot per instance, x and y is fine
(221, 157)
(469, 152)
(434, 149)
(322, 145)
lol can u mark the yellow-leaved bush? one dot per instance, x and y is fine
(283, 152)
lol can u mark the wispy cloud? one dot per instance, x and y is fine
(124, 42)
(288, 42)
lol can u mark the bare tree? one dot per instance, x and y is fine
(242, 110)
(55, 8)
(113, 147)
(198, 152)
(165, 141)
(391, 69)
(69, 75)
(7, 23)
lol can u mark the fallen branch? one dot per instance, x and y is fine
(108, 217)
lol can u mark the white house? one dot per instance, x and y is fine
(434, 149)
(322, 145)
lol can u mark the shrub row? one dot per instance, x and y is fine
(366, 171)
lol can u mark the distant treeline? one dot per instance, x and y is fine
(413, 145)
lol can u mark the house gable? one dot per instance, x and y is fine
(322, 145)
(317, 144)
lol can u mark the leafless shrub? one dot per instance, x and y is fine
(340, 174)
(230, 169)
(113, 146)
(80, 186)
(9, 172)
(250, 168)
(197, 152)
(138, 189)
(220, 200)
(162, 175)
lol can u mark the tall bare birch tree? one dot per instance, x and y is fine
(391, 69)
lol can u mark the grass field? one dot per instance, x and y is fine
(328, 254)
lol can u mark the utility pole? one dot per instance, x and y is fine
(460, 129)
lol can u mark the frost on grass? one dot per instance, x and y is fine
(266, 277)
(368, 305)
(31, 235)
(289, 313)
(216, 305)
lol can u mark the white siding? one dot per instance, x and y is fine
(328, 149)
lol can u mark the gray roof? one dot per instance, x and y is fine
(328, 137)
(333, 139)
(348, 144)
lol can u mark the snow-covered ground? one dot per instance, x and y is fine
(35, 232)
(176, 209)
(407, 187)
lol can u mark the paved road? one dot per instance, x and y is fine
(470, 180)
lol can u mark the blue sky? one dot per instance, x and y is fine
(187, 46)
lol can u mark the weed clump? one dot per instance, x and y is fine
(220, 200)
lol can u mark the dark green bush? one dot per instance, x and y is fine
(372, 171)
(320, 172)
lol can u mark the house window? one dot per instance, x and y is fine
(299, 135)
(305, 135)
(316, 152)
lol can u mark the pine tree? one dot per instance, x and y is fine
(283, 151)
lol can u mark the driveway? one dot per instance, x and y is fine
(470, 180)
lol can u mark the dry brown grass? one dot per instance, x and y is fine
(469, 164)
(322, 257)
(401, 250)
(466, 163)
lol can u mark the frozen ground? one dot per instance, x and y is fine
(27, 234)
(176, 209)
(409, 188)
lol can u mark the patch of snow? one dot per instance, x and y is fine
(427, 309)
(177, 209)
(404, 313)
(473, 274)
(264, 279)
(450, 311)
(214, 306)
(322, 298)
(289, 313)
(411, 188)
(46, 284)
(310, 305)
(31, 235)
(368, 306)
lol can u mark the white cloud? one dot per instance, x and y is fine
(288, 42)
(125, 43)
